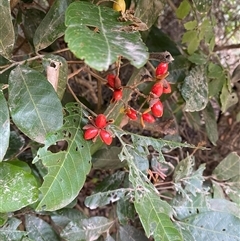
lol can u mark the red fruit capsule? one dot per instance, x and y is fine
(167, 88)
(148, 117)
(131, 113)
(101, 121)
(111, 80)
(157, 89)
(90, 133)
(157, 109)
(106, 137)
(117, 95)
(161, 69)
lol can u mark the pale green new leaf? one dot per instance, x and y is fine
(227, 99)
(7, 37)
(52, 26)
(86, 229)
(228, 168)
(152, 212)
(9, 231)
(212, 226)
(18, 188)
(34, 106)
(67, 169)
(39, 230)
(195, 90)
(59, 64)
(184, 9)
(4, 126)
(102, 39)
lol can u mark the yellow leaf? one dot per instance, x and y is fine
(119, 5)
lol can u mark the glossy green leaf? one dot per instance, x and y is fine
(34, 105)
(9, 231)
(155, 218)
(39, 230)
(4, 126)
(7, 38)
(198, 59)
(195, 90)
(227, 99)
(148, 11)
(102, 39)
(211, 124)
(67, 169)
(31, 20)
(130, 233)
(228, 168)
(52, 26)
(57, 65)
(86, 229)
(213, 226)
(184, 9)
(18, 188)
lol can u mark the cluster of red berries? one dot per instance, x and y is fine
(97, 127)
(161, 86)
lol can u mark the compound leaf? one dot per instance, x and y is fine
(67, 169)
(102, 39)
(34, 105)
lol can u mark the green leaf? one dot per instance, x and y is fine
(101, 199)
(58, 66)
(213, 226)
(190, 25)
(198, 59)
(3, 219)
(34, 105)
(154, 216)
(202, 6)
(9, 231)
(227, 99)
(148, 11)
(195, 90)
(211, 124)
(228, 168)
(183, 10)
(52, 26)
(102, 39)
(39, 230)
(7, 38)
(125, 211)
(107, 159)
(129, 233)
(87, 229)
(186, 179)
(189, 36)
(4, 126)
(67, 169)
(18, 188)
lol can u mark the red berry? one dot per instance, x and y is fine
(111, 80)
(90, 133)
(161, 69)
(157, 109)
(148, 117)
(157, 89)
(117, 95)
(167, 88)
(101, 121)
(106, 137)
(131, 113)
